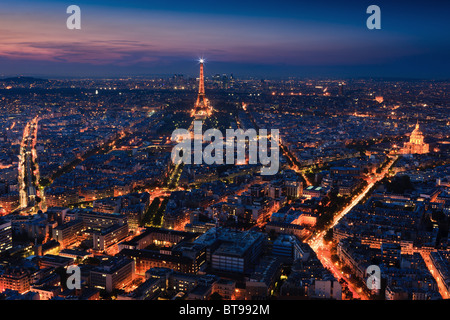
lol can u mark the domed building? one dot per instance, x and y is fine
(416, 144)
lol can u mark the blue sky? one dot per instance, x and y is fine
(247, 38)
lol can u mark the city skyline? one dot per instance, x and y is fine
(230, 151)
(292, 39)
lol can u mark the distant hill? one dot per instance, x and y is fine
(23, 80)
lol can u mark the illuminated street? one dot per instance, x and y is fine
(28, 167)
(322, 249)
(442, 289)
(204, 152)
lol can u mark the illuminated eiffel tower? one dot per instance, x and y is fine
(202, 109)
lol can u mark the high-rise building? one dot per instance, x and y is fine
(293, 188)
(113, 274)
(230, 250)
(17, 279)
(66, 234)
(110, 236)
(341, 88)
(5, 235)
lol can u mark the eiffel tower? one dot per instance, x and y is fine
(202, 109)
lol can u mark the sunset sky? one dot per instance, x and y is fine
(246, 38)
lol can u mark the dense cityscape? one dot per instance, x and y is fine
(87, 181)
(209, 159)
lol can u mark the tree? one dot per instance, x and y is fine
(215, 296)
(157, 217)
(400, 184)
(334, 258)
(61, 271)
(92, 261)
(347, 269)
(272, 234)
(328, 235)
(44, 182)
(151, 211)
